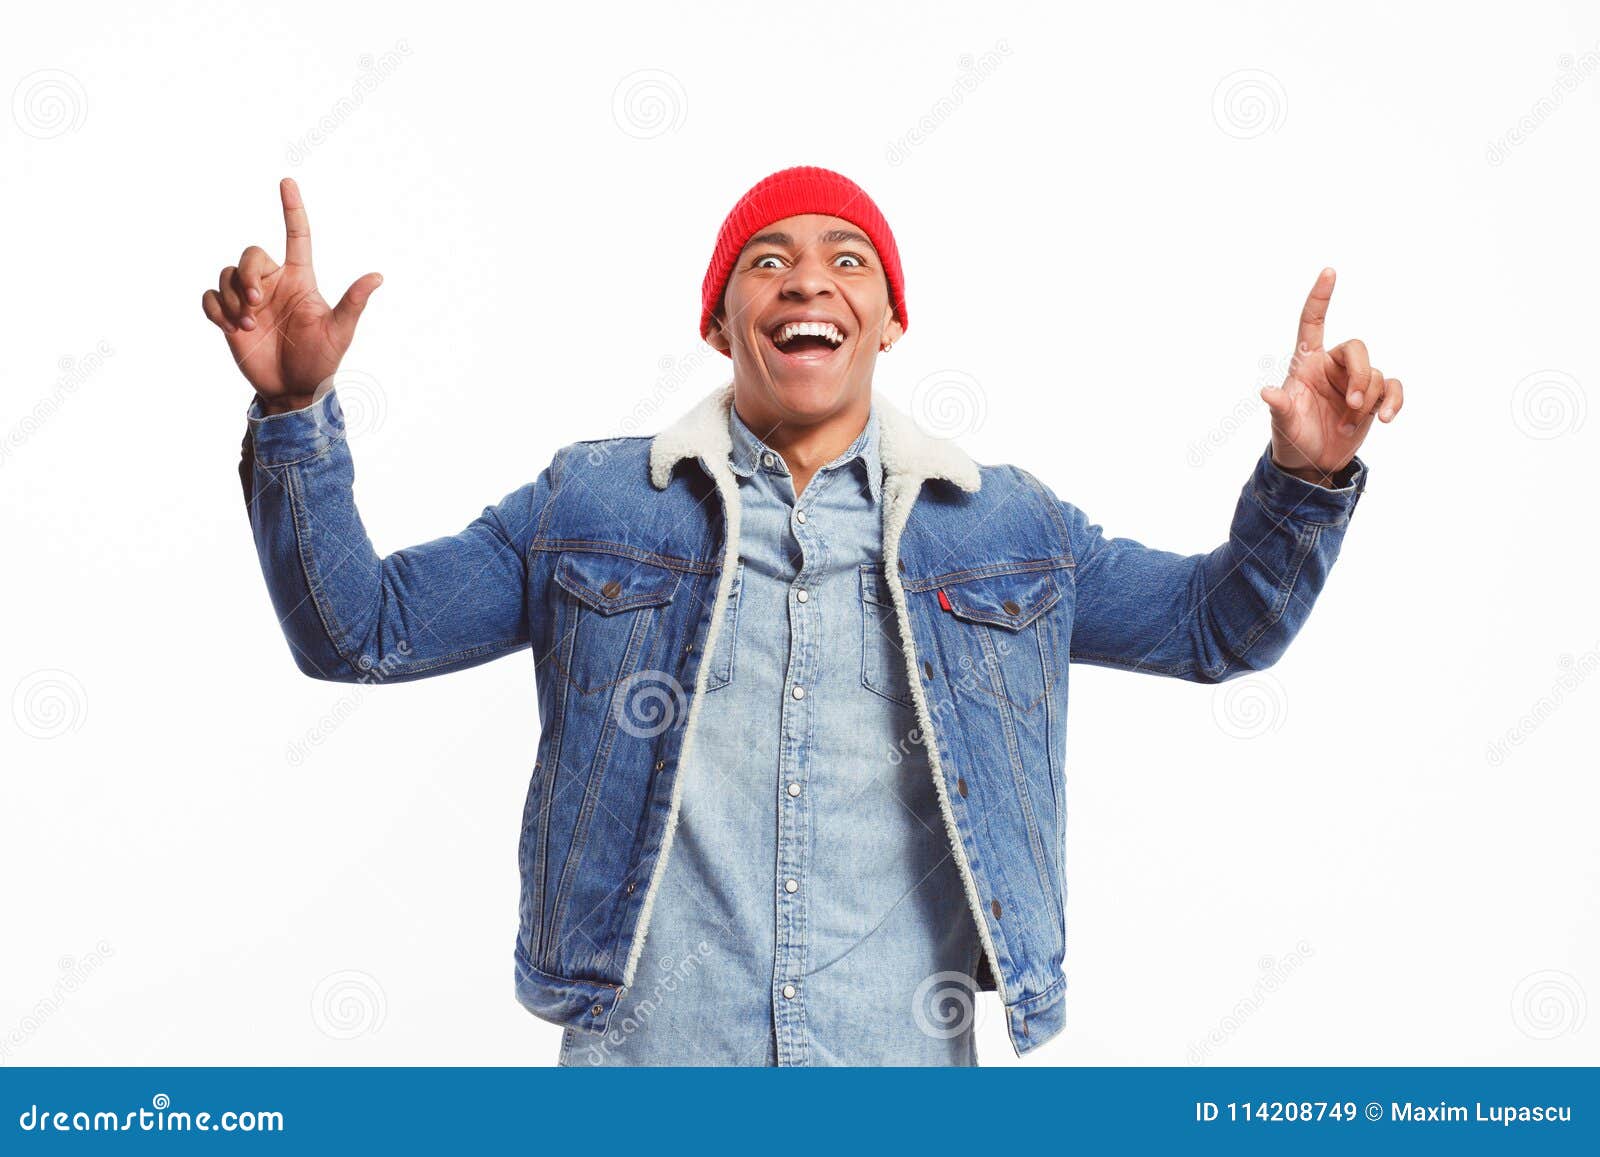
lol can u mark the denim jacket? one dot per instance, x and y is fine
(614, 567)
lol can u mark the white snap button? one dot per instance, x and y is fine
(788, 991)
(799, 692)
(791, 886)
(766, 459)
(799, 516)
(794, 789)
(801, 595)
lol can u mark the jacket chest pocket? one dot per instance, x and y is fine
(883, 660)
(1002, 636)
(608, 620)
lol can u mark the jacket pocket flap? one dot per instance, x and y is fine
(1006, 600)
(612, 582)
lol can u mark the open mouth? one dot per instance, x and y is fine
(807, 342)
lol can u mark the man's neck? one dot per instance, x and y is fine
(808, 448)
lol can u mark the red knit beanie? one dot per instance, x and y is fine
(787, 193)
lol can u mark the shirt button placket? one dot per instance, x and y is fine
(789, 951)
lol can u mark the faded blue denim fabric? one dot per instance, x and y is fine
(616, 566)
(868, 960)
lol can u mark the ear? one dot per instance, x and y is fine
(893, 331)
(715, 337)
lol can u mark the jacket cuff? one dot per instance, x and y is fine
(281, 439)
(1290, 497)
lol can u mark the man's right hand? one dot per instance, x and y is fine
(282, 332)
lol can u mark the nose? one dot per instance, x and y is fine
(808, 277)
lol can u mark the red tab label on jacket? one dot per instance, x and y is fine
(944, 600)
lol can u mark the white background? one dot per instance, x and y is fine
(1109, 235)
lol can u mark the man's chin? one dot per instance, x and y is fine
(795, 381)
(809, 391)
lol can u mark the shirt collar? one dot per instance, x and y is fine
(745, 453)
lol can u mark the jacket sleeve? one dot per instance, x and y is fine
(350, 616)
(1211, 617)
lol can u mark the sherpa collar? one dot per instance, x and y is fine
(907, 453)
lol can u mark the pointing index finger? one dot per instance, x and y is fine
(1315, 312)
(296, 227)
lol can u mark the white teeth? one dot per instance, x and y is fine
(822, 329)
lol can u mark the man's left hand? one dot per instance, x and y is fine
(1323, 410)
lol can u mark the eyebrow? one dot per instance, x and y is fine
(831, 237)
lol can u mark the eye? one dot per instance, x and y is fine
(848, 257)
(756, 264)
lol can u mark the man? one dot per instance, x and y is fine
(801, 668)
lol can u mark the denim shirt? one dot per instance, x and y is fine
(811, 912)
